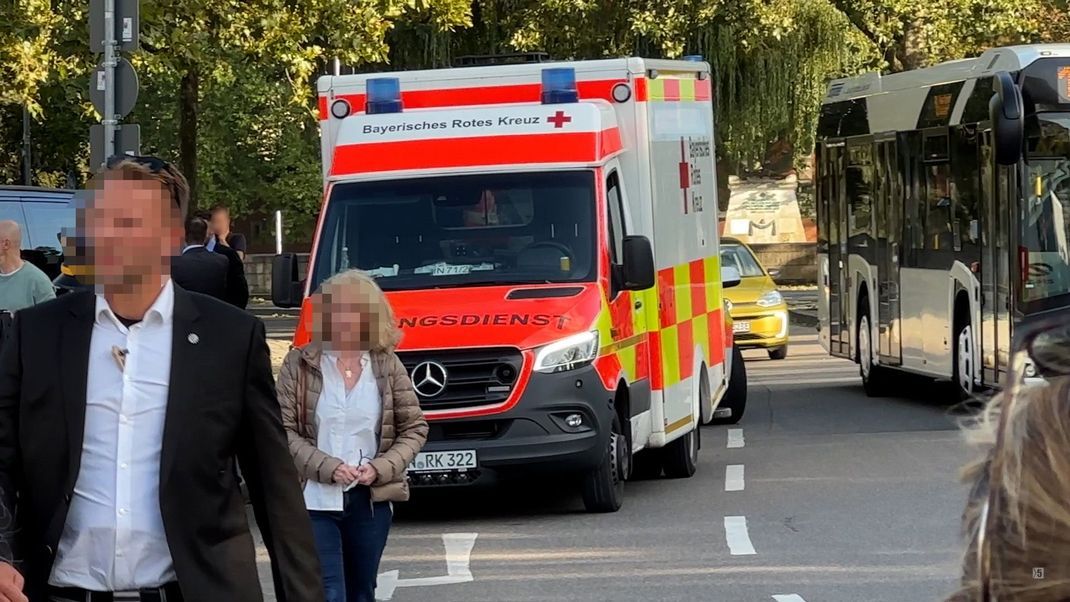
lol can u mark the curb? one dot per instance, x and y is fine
(801, 318)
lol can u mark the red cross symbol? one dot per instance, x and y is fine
(559, 119)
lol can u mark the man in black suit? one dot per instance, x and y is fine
(197, 269)
(122, 413)
(237, 285)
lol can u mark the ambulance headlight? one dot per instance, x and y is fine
(340, 109)
(384, 95)
(569, 353)
(559, 86)
(770, 299)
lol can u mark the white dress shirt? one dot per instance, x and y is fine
(347, 424)
(114, 538)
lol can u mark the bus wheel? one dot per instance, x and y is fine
(680, 457)
(603, 488)
(964, 369)
(873, 376)
(734, 402)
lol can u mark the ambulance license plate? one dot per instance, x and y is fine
(740, 326)
(444, 461)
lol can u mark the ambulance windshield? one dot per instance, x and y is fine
(471, 230)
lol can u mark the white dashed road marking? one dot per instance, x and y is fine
(735, 532)
(733, 477)
(788, 598)
(735, 438)
(458, 570)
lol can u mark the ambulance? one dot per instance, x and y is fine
(546, 234)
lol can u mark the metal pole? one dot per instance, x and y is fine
(27, 169)
(111, 60)
(278, 232)
(337, 67)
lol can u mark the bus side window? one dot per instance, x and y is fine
(937, 193)
(964, 157)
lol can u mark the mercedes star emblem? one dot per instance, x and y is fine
(429, 379)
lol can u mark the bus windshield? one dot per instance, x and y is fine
(1045, 215)
(471, 230)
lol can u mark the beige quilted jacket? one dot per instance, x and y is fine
(402, 433)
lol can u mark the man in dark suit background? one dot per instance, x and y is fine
(237, 285)
(122, 413)
(197, 269)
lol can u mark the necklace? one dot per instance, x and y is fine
(346, 369)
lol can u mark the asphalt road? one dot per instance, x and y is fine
(819, 494)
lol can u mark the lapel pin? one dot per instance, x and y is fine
(193, 338)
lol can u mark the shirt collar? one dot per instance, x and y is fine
(333, 357)
(188, 247)
(161, 310)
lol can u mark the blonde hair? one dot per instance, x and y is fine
(1026, 479)
(358, 288)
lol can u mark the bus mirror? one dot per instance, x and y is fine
(285, 286)
(729, 276)
(1008, 122)
(638, 266)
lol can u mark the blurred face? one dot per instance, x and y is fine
(220, 223)
(346, 323)
(132, 230)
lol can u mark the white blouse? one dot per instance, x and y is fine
(347, 426)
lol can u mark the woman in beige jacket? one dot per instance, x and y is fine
(354, 425)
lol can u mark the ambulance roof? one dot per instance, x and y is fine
(581, 133)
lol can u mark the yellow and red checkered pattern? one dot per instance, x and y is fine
(689, 314)
(670, 88)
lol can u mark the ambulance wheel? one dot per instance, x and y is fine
(603, 488)
(680, 457)
(734, 403)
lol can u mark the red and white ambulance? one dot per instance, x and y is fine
(547, 236)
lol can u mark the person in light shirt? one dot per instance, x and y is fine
(354, 425)
(123, 411)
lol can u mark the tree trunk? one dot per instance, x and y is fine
(188, 103)
(912, 46)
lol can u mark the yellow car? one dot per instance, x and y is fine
(759, 312)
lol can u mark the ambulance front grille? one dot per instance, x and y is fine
(473, 377)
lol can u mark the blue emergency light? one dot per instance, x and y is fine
(559, 86)
(384, 96)
(694, 58)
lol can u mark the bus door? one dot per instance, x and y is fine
(997, 206)
(889, 205)
(839, 290)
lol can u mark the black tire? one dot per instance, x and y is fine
(778, 353)
(603, 488)
(646, 465)
(875, 381)
(680, 457)
(735, 398)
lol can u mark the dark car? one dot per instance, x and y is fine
(42, 213)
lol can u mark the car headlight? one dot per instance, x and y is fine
(567, 354)
(770, 299)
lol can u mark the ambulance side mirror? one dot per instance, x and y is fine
(286, 289)
(638, 263)
(729, 276)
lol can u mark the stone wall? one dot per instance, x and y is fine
(258, 273)
(797, 262)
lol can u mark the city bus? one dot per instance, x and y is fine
(942, 201)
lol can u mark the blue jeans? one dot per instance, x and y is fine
(350, 544)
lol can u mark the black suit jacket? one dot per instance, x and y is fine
(237, 285)
(201, 271)
(221, 408)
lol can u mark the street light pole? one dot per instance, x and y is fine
(111, 60)
(27, 168)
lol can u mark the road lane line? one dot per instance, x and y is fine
(735, 438)
(733, 477)
(788, 598)
(735, 532)
(458, 570)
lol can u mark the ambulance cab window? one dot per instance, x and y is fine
(616, 217)
(469, 230)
